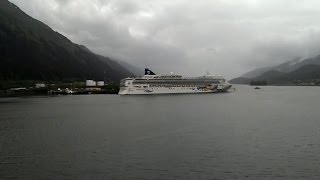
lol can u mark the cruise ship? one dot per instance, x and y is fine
(152, 83)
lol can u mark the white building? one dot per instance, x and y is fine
(40, 85)
(90, 83)
(100, 83)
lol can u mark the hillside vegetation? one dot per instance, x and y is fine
(31, 50)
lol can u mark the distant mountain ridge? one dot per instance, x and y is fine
(284, 67)
(292, 72)
(31, 50)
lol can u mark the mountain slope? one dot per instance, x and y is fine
(284, 67)
(240, 80)
(294, 70)
(256, 72)
(30, 50)
(306, 74)
(135, 70)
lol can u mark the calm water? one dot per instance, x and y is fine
(272, 133)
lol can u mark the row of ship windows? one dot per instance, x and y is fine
(170, 84)
(176, 83)
(167, 85)
(160, 77)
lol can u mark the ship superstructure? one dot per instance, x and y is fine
(152, 83)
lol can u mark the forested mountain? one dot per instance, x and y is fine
(31, 50)
(291, 72)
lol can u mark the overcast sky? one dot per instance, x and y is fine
(227, 37)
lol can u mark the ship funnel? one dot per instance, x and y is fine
(147, 71)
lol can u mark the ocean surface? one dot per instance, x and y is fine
(271, 133)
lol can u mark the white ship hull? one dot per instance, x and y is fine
(172, 84)
(160, 90)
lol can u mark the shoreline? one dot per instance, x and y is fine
(31, 94)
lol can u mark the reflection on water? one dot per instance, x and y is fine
(272, 133)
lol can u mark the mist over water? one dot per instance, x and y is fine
(272, 133)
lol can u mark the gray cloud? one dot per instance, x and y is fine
(189, 37)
